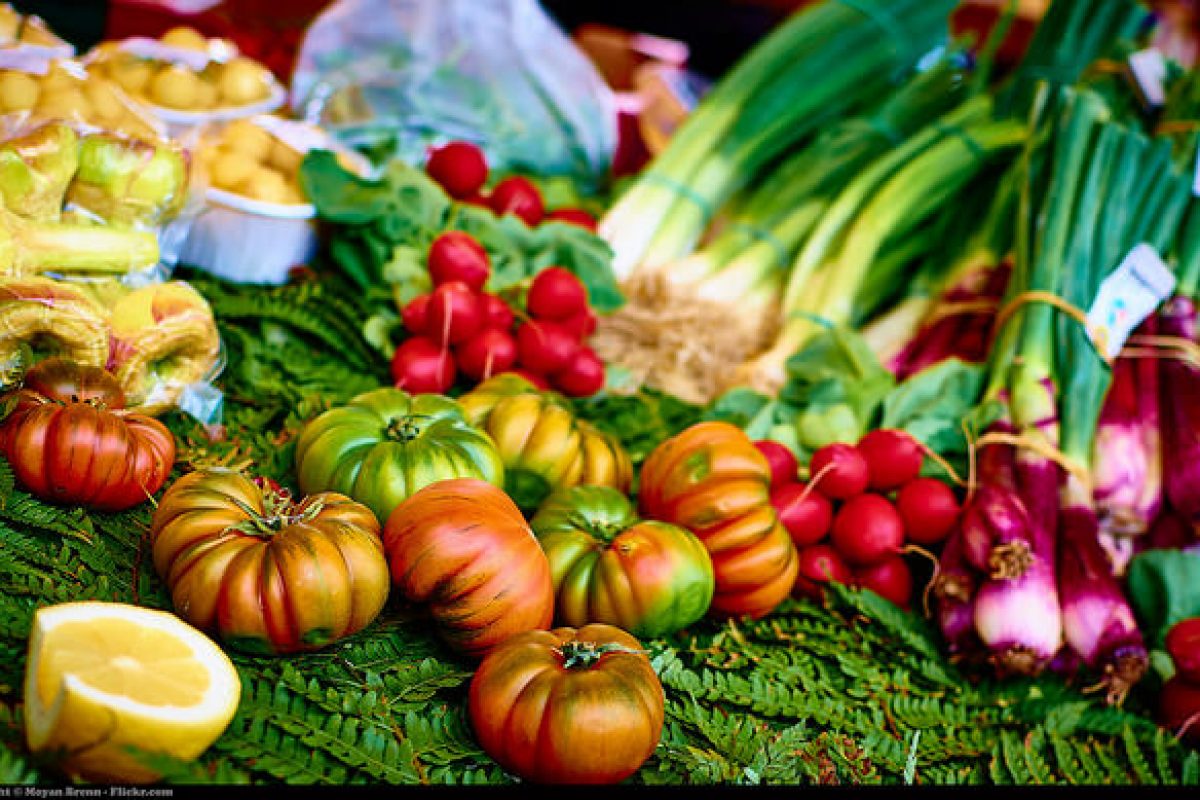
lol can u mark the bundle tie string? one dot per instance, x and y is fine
(760, 234)
(1010, 308)
(682, 190)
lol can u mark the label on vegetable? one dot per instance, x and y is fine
(1149, 69)
(1128, 296)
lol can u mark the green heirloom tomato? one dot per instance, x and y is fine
(385, 445)
(650, 578)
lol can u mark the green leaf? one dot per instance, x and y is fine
(1164, 588)
(340, 195)
(407, 272)
(931, 405)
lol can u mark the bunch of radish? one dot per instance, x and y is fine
(459, 328)
(1179, 700)
(861, 509)
(462, 170)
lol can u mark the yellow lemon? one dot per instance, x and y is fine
(228, 169)
(174, 87)
(131, 73)
(284, 158)
(265, 184)
(243, 81)
(102, 677)
(243, 136)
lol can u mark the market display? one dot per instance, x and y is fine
(849, 440)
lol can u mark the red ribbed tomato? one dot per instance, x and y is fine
(712, 480)
(70, 440)
(568, 706)
(266, 573)
(462, 546)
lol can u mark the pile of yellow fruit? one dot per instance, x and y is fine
(249, 161)
(69, 92)
(231, 83)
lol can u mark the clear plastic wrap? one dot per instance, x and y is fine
(187, 83)
(399, 75)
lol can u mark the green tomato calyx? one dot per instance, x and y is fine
(585, 655)
(405, 428)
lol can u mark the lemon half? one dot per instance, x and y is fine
(104, 676)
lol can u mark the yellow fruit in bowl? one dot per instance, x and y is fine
(243, 81)
(243, 136)
(131, 73)
(185, 38)
(174, 86)
(265, 184)
(206, 95)
(102, 677)
(229, 169)
(284, 158)
(18, 91)
(102, 97)
(62, 104)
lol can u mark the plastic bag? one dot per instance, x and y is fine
(394, 76)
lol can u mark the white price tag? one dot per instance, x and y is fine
(1150, 71)
(1127, 297)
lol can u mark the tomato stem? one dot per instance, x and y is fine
(584, 655)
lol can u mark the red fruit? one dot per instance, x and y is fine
(420, 366)
(539, 381)
(545, 347)
(1179, 705)
(478, 199)
(867, 529)
(891, 579)
(556, 294)
(574, 216)
(1183, 643)
(516, 195)
(415, 315)
(460, 167)
(782, 460)
(807, 516)
(583, 376)
(581, 325)
(819, 563)
(455, 313)
(458, 256)
(893, 458)
(496, 313)
(487, 353)
(838, 471)
(928, 508)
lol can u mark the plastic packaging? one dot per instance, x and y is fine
(243, 235)
(41, 317)
(394, 76)
(188, 86)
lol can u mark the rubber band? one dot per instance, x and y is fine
(683, 190)
(1169, 126)
(1162, 347)
(963, 307)
(824, 322)
(1042, 448)
(766, 237)
(1107, 66)
(1007, 311)
(967, 139)
(901, 43)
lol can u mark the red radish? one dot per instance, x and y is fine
(458, 256)
(838, 471)
(1179, 705)
(517, 195)
(539, 381)
(421, 367)
(455, 313)
(545, 347)
(867, 529)
(583, 375)
(819, 563)
(460, 167)
(893, 458)
(1183, 643)
(487, 353)
(891, 579)
(416, 314)
(806, 515)
(574, 216)
(581, 324)
(556, 294)
(929, 510)
(496, 313)
(782, 460)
